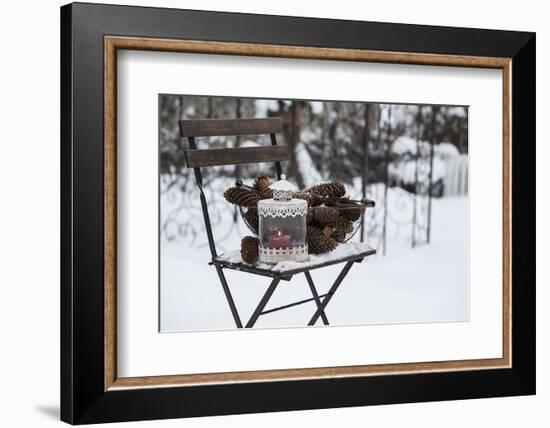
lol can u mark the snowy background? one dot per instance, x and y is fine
(412, 160)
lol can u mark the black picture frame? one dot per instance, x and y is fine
(83, 396)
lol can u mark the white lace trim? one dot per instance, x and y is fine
(282, 211)
(276, 255)
(282, 195)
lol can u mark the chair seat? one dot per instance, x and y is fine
(350, 251)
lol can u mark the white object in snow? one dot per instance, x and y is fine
(456, 177)
(446, 150)
(405, 144)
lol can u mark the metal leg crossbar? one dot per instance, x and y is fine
(326, 300)
(316, 296)
(321, 300)
(263, 302)
(229, 297)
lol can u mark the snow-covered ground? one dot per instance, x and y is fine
(426, 284)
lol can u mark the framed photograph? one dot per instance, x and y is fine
(266, 213)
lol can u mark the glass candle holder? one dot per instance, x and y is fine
(282, 226)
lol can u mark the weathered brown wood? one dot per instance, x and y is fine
(219, 127)
(304, 52)
(234, 156)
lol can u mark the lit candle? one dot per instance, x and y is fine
(279, 241)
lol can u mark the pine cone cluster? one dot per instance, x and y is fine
(312, 199)
(324, 216)
(330, 218)
(344, 225)
(250, 249)
(241, 197)
(328, 190)
(262, 184)
(338, 235)
(335, 222)
(350, 210)
(341, 229)
(309, 216)
(318, 242)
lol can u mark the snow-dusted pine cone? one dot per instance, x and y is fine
(324, 216)
(343, 225)
(249, 249)
(312, 199)
(241, 197)
(318, 242)
(350, 210)
(309, 216)
(331, 190)
(338, 235)
(262, 184)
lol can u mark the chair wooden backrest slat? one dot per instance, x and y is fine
(196, 158)
(234, 156)
(225, 127)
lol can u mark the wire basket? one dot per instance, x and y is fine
(350, 215)
(250, 218)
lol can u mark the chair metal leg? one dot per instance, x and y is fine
(263, 302)
(316, 297)
(330, 293)
(229, 297)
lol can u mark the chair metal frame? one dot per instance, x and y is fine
(198, 158)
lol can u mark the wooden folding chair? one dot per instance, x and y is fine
(197, 159)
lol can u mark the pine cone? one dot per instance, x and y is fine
(262, 184)
(251, 216)
(312, 199)
(344, 224)
(249, 249)
(341, 229)
(330, 190)
(351, 210)
(338, 235)
(324, 216)
(241, 197)
(318, 242)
